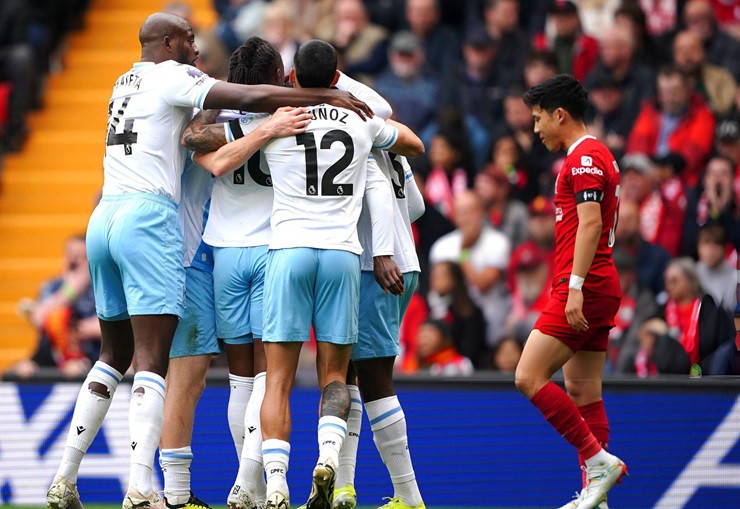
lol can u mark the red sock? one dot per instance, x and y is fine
(562, 414)
(595, 416)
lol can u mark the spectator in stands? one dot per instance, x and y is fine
(631, 18)
(541, 227)
(661, 16)
(722, 48)
(713, 202)
(240, 20)
(437, 354)
(713, 82)
(617, 61)
(507, 215)
(658, 352)
(64, 315)
(539, 66)
(717, 277)
(450, 302)
(651, 259)
(727, 143)
(363, 46)
(477, 87)
(576, 52)
(507, 158)
(660, 197)
(311, 19)
(416, 314)
(606, 119)
(679, 121)
(502, 23)
(506, 355)
(536, 159)
(411, 90)
(483, 254)
(531, 278)
(441, 44)
(278, 31)
(448, 177)
(637, 306)
(682, 309)
(18, 69)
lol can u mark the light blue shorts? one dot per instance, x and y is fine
(306, 286)
(196, 332)
(239, 284)
(380, 317)
(134, 249)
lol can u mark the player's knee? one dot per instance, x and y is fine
(526, 384)
(582, 392)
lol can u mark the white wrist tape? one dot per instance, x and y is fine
(576, 282)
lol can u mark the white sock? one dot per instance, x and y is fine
(348, 454)
(332, 431)
(145, 419)
(276, 456)
(241, 390)
(251, 473)
(175, 465)
(389, 434)
(88, 415)
(600, 458)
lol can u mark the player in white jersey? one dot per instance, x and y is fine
(378, 344)
(313, 265)
(134, 241)
(239, 236)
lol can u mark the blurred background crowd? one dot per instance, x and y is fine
(662, 82)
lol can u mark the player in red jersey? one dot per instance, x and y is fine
(573, 329)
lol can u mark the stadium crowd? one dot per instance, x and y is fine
(662, 81)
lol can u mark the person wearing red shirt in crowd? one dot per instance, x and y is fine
(448, 176)
(506, 214)
(573, 331)
(531, 282)
(576, 52)
(437, 353)
(679, 121)
(684, 301)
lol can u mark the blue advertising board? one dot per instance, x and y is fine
(471, 447)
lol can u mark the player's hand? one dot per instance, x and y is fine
(388, 275)
(342, 99)
(574, 310)
(287, 121)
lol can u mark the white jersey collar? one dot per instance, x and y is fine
(578, 142)
(139, 65)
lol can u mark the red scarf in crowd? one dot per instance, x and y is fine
(683, 321)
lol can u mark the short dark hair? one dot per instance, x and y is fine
(561, 91)
(546, 58)
(315, 64)
(672, 70)
(254, 62)
(714, 233)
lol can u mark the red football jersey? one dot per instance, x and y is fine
(589, 173)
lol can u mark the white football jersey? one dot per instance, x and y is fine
(241, 203)
(397, 170)
(150, 107)
(193, 210)
(319, 179)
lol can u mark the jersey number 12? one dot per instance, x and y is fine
(328, 187)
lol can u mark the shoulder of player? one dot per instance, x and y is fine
(590, 153)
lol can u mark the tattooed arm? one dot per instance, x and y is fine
(335, 400)
(202, 134)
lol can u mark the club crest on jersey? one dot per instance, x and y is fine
(586, 161)
(194, 72)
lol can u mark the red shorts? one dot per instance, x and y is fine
(599, 313)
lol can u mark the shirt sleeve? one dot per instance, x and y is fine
(242, 126)
(379, 200)
(187, 86)
(383, 134)
(587, 178)
(380, 106)
(414, 199)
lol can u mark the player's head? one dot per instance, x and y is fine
(164, 36)
(256, 62)
(558, 104)
(315, 65)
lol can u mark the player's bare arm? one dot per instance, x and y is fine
(268, 98)
(202, 134)
(407, 144)
(587, 240)
(285, 122)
